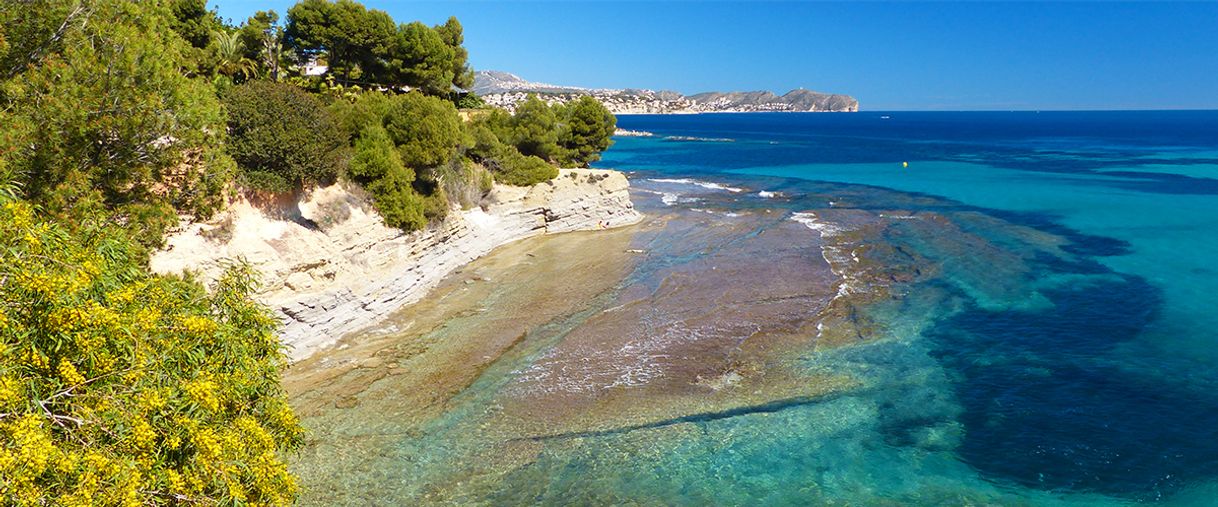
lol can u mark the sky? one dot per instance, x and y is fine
(890, 56)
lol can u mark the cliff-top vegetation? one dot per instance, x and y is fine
(117, 117)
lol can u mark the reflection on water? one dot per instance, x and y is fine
(813, 343)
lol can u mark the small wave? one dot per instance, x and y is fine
(632, 133)
(693, 139)
(809, 219)
(704, 184)
(765, 194)
(670, 198)
(729, 214)
(839, 257)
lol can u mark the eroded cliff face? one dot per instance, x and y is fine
(330, 266)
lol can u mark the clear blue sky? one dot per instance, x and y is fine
(891, 56)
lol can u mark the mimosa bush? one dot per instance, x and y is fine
(119, 386)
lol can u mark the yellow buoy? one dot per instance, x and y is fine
(904, 164)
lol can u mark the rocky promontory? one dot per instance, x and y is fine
(330, 266)
(505, 90)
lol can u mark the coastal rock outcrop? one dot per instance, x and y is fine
(330, 266)
(505, 90)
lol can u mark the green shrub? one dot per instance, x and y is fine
(481, 143)
(587, 130)
(378, 166)
(121, 387)
(535, 129)
(426, 129)
(397, 202)
(105, 112)
(263, 181)
(376, 156)
(470, 101)
(368, 108)
(464, 182)
(279, 129)
(512, 168)
(435, 204)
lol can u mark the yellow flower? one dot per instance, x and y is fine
(203, 392)
(198, 325)
(10, 392)
(35, 450)
(36, 359)
(142, 434)
(22, 214)
(146, 319)
(151, 401)
(68, 462)
(69, 373)
(176, 484)
(208, 445)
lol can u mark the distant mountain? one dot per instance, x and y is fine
(504, 89)
(487, 82)
(794, 100)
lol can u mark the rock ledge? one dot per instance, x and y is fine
(330, 266)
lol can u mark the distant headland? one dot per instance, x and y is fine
(504, 89)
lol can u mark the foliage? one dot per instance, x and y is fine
(405, 141)
(587, 130)
(122, 387)
(480, 141)
(230, 56)
(513, 168)
(464, 182)
(426, 129)
(378, 165)
(193, 22)
(365, 45)
(534, 129)
(422, 59)
(280, 130)
(376, 156)
(353, 38)
(453, 36)
(484, 143)
(366, 109)
(110, 118)
(571, 134)
(470, 101)
(398, 203)
(32, 30)
(262, 41)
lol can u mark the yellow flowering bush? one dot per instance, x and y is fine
(121, 387)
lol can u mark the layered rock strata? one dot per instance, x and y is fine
(330, 266)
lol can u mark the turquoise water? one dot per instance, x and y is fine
(1023, 315)
(1075, 373)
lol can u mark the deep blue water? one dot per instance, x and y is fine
(1097, 383)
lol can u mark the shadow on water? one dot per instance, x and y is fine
(1048, 406)
(1048, 401)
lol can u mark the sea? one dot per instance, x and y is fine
(873, 308)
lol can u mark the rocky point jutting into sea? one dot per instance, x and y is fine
(330, 266)
(505, 90)
(777, 341)
(552, 368)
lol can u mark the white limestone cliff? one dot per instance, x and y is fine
(330, 266)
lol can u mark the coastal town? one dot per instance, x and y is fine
(505, 90)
